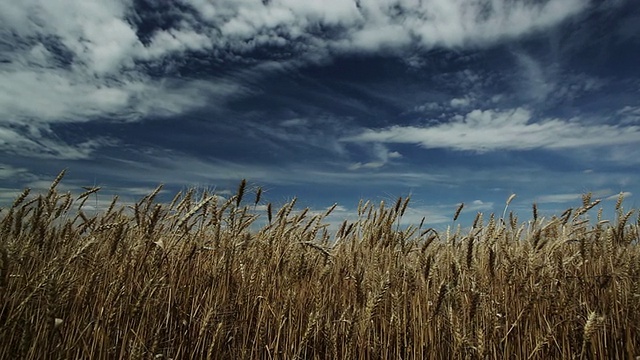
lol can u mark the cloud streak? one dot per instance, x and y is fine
(492, 130)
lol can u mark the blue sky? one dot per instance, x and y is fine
(330, 101)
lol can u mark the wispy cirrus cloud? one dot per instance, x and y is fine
(381, 157)
(558, 198)
(8, 171)
(624, 194)
(492, 130)
(630, 115)
(37, 145)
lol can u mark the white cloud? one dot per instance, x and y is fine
(173, 40)
(63, 96)
(497, 98)
(625, 195)
(382, 157)
(39, 142)
(295, 122)
(491, 130)
(337, 208)
(477, 205)
(95, 32)
(9, 172)
(55, 97)
(630, 115)
(101, 45)
(558, 198)
(546, 82)
(88, 60)
(319, 132)
(456, 23)
(40, 99)
(460, 102)
(76, 61)
(428, 107)
(576, 197)
(389, 36)
(537, 85)
(543, 81)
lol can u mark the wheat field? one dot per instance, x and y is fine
(194, 278)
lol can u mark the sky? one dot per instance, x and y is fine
(329, 101)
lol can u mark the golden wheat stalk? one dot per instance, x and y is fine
(193, 211)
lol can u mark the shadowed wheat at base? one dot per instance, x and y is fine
(197, 278)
